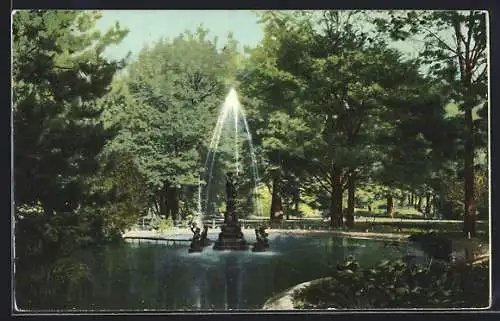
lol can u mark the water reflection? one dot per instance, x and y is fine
(155, 276)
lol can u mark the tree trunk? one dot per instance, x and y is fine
(336, 219)
(48, 208)
(434, 205)
(469, 211)
(390, 205)
(297, 196)
(351, 194)
(409, 200)
(412, 200)
(419, 204)
(276, 202)
(467, 66)
(172, 202)
(427, 204)
(169, 203)
(162, 200)
(442, 202)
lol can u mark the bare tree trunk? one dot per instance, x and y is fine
(276, 201)
(467, 65)
(296, 195)
(419, 203)
(390, 205)
(469, 211)
(172, 202)
(427, 204)
(336, 219)
(442, 201)
(157, 205)
(351, 194)
(48, 209)
(163, 201)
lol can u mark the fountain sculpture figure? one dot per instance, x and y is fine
(205, 241)
(200, 238)
(262, 242)
(196, 242)
(231, 237)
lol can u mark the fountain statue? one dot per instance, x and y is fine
(199, 240)
(196, 243)
(231, 237)
(204, 237)
(262, 242)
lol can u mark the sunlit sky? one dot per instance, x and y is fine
(148, 26)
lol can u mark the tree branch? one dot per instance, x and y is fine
(481, 74)
(345, 178)
(441, 41)
(476, 54)
(461, 63)
(323, 170)
(469, 36)
(320, 181)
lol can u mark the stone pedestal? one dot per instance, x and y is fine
(231, 238)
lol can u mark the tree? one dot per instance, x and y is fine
(318, 112)
(414, 149)
(455, 50)
(175, 88)
(58, 75)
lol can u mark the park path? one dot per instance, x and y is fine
(186, 231)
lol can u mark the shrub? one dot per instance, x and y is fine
(398, 284)
(164, 224)
(66, 280)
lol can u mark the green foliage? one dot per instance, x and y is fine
(169, 102)
(322, 127)
(163, 225)
(265, 197)
(459, 65)
(305, 210)
(481, 192)
(65, 278)
(118, 189)
(59, 79)
(58, 75)
(398, 285)
(42, 237)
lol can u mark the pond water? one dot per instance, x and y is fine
(154, 276)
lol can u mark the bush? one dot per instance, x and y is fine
(66, 281)
(452, 210)
(306, 210)
(398, 284)
(436, 245)
(164, 224)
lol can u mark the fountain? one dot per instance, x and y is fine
(232, 119)
(230, 237)
(231, 124)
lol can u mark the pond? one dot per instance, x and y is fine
(154, 276)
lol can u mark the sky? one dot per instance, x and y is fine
(146, 27)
